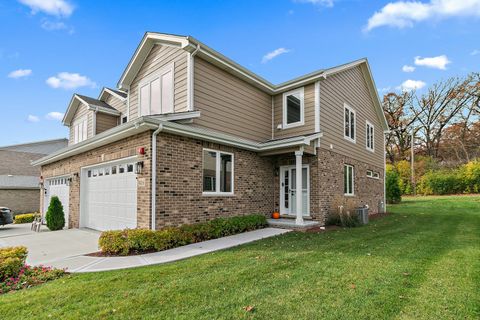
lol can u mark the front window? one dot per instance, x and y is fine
(293, 108)
(369, 135)
(348, 180)
(349, 123)
(217, 172)
(156, 94)
(80, 130)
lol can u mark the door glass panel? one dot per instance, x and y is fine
(285, 189)
(304, 178)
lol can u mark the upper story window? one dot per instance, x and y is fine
(369, 136)
(293, 108)
(217, 172)
(349, 123)
(80, 130)
(156, 93)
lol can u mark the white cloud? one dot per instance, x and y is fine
(59, 8)
(323, 3)
(275, 53)
(67, 80)
(407, 68)
(475, 52)
(32, 118)
(410, 85)
(386, 89)
(56, 25)
(402, 14)
(439, 62)
(54, 115)
(20, 73)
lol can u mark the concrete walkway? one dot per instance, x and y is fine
(82, 263)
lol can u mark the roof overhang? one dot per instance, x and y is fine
(106, 91)
(143, 124)
(76, 101)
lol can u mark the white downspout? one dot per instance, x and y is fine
(190, 82)
(94, 124)
(154, 174)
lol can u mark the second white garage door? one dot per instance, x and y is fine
(110, 197)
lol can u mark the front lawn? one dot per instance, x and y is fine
(422, 262)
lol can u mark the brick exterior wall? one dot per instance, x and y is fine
(20, 200)
(114, 151)
(180, 183)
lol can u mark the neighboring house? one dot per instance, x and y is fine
(221, 141)
(19, 180)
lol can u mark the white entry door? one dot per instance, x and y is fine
(288, 190)
(109, 197)
(57, 187)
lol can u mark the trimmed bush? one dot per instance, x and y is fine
(442, 182)
(25, 218)
(55, 216)
(392, 185)
(12, 259)
(128, 241)
(471, 176)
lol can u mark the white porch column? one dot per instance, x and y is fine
(298, 189)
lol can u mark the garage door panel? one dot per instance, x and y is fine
(111, 198)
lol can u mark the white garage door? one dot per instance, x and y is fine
(110, 197)
(57, 187)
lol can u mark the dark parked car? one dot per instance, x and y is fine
(6, 216)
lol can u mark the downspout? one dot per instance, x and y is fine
(154, 174)
(191, 73)
(94, 125)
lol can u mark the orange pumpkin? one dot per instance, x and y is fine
(276, 215)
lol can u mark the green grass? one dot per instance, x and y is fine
(421, 262)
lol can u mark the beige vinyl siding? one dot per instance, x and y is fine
(82, 111)
(159, 57)
(309, 114)
(229, 104)
(349, 87)
(105, 122)
(117, 103)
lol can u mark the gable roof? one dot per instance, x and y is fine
(190, 44)
(109, 91)
(90, 103)
(38, 147)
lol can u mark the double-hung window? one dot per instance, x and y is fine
(217, 172)
(293, 108)
(370, 135)
(349, 123)
(156, 93)
(80, 130)
(348, 180)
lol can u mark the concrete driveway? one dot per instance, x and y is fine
(46, 246)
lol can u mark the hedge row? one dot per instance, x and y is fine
(25, 218)
(124, 242)
(12, 260)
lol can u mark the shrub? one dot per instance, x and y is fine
(124, 242)
(394, 194)
(343, 213)
(25, 218)
(442, 182)
(12, 260)
(30, 276)
(55, 216)
(471, 176)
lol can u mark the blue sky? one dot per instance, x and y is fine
(51, 49)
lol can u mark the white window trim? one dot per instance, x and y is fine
(76, 123)
(149, 79)
(345, 166)
(285, 125)
(350, 109)
(217, 174)
(368, 123)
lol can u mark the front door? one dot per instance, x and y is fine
(288, 190)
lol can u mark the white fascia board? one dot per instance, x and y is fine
(67, 118)
(103, 110)
(106, 90)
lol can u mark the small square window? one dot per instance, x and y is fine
(376, 175)
(89, 173)
(107, 171)
(124, 119)
(114, 170)
(369, 173)
(129, 167)
(121, 168)
(95, 172)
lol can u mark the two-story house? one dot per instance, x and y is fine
(189, 135)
